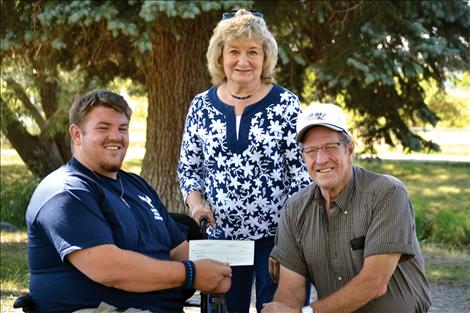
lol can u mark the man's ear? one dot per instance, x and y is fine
(351, 148)
(75, 134)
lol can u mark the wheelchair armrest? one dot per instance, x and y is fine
(24, 302)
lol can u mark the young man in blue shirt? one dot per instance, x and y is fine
(99, 234)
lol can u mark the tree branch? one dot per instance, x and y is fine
(23, 97)
(40, 154)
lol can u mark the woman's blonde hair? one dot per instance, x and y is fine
(243, 25)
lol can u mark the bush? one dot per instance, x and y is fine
(424, 222)
(451, 228)
(18, 185)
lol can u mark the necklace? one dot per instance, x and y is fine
(122, 193)
(241, 98)
(122, 188)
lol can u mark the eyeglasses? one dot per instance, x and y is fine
(102, 96)
(230, 14)
(106, 98)
(328, 148)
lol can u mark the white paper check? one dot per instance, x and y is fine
(234, 252)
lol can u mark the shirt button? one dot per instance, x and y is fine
(340, 278)
(345, 212)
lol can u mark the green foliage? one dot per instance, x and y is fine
(18, 185)
(372, 57)
(452, 105)
(452, 111)
(451, 226)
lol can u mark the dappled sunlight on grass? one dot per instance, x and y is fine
(10, 157)
(443, 191)
(17, 173)
(448, 189)
(16, 237)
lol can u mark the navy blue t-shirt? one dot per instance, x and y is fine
(74, 208)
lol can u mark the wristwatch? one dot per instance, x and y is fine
(308, 309)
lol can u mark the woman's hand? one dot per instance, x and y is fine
(198, 208)
(201, 210)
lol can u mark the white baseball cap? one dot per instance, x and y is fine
(321, 114)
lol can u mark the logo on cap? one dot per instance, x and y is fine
(317, 116)
(320, 116)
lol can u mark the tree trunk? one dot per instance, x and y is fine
(48, 91)
(40, 154)
(175, 72)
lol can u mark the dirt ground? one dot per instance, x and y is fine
(446, 298)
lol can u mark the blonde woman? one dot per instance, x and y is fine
(239, 159)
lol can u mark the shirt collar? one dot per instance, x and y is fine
(344, 197)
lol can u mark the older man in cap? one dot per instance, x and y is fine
(352, 233)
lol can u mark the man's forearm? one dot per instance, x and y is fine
(292, 298)
(351, 297)
(180, 252)
(370, 283)
(135, 272)
(128, 270)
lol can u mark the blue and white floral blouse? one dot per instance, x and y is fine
(246, 180)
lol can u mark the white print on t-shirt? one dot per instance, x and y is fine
(147, 199)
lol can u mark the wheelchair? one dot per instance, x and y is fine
(208, 303)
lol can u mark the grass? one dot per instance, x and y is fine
(14, 273)
(444, 264)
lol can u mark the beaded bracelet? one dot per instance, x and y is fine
(190, 274)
